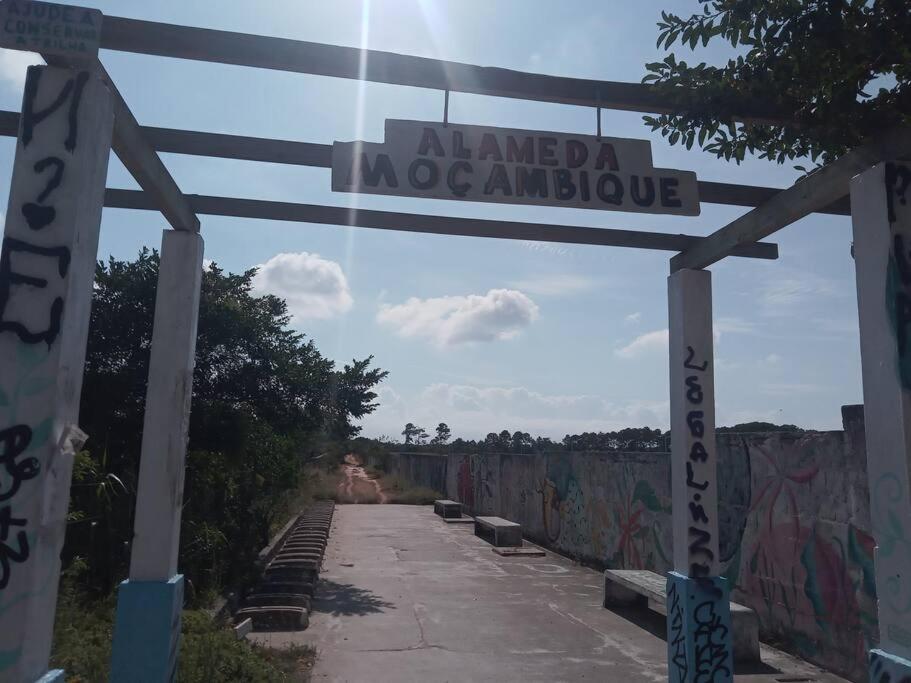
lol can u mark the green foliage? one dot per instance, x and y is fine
(401, 491)
(811, 78)
(414, 434)
(265, 403)
(443, 433)
(209, 653)
(758, 427)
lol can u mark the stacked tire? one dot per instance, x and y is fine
(282, 599)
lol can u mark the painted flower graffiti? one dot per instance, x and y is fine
(621, 524)
(812, 583)
(639, 545)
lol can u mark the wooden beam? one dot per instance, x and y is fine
(754, 195)
(804, 197)
(144, 164)
(239, 147)
(437, 225)
(313, 154)
(140, 159)
(227, 47)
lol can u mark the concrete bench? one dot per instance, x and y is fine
(447, 508)
(286, 586)
(498, 531)
(277, 600)
(276, 617)
(642, 587)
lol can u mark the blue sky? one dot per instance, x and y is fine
(485, 334)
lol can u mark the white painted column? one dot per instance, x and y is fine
(699, 636)
(148, 610)
(881, 212)
(694, 486)
(47, 266)
(167, 411)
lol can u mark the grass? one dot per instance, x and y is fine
(400, 490)
(209, 651)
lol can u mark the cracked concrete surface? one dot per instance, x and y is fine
(428, 602)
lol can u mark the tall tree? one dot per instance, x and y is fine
(443, 433)
(410, 431)
(263, 399)
(820, 76)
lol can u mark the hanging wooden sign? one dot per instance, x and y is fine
(503, 165)
(51, 29)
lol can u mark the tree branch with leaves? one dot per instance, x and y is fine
(822, 75)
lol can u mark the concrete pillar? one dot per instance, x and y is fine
(147, 628)
(47, 266)
(698, 608)
(881, 213)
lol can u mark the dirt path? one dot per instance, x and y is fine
(357, 487)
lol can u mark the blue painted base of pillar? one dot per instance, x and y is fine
(699, 638)
(52, 676)
(147, 631)
(886, 668)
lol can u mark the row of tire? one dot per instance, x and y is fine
(282, 599)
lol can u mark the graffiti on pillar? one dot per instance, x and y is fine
(33, 272)
(893, 545)
(677, 636)
(711, 642)
(889, 492)
(698, 476)
(698, 630)
(14, 441)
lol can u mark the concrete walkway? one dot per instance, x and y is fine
(406, 597)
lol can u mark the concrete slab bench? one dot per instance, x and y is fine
(277, 599)
(643, 587)
(276, 617)
(498, 531)
(448, 509)
(285, 586)
(302, 548)
(294, 563)
(293, 574)
(287, 555)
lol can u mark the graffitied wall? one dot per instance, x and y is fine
(794, 524)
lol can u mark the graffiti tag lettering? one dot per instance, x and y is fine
(32, 282)
(700, 535)
(678, 638)
(710, 645)
(14, 441)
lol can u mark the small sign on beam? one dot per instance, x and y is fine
(503, 165)
(51, 29)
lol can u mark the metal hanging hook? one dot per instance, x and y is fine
(446, 110)
(598, 115)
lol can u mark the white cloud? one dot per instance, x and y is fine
(545, 248)
(313, 287)
(207, 263)
(452, 320)
(633, 318)
(13, 64)
(781, 296)
(473, 411)
(650, 342)
(732, 326)
(773, 359)
(555, 285)
(653, 342)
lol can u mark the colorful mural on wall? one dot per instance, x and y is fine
(794, 526)
(808, 575)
